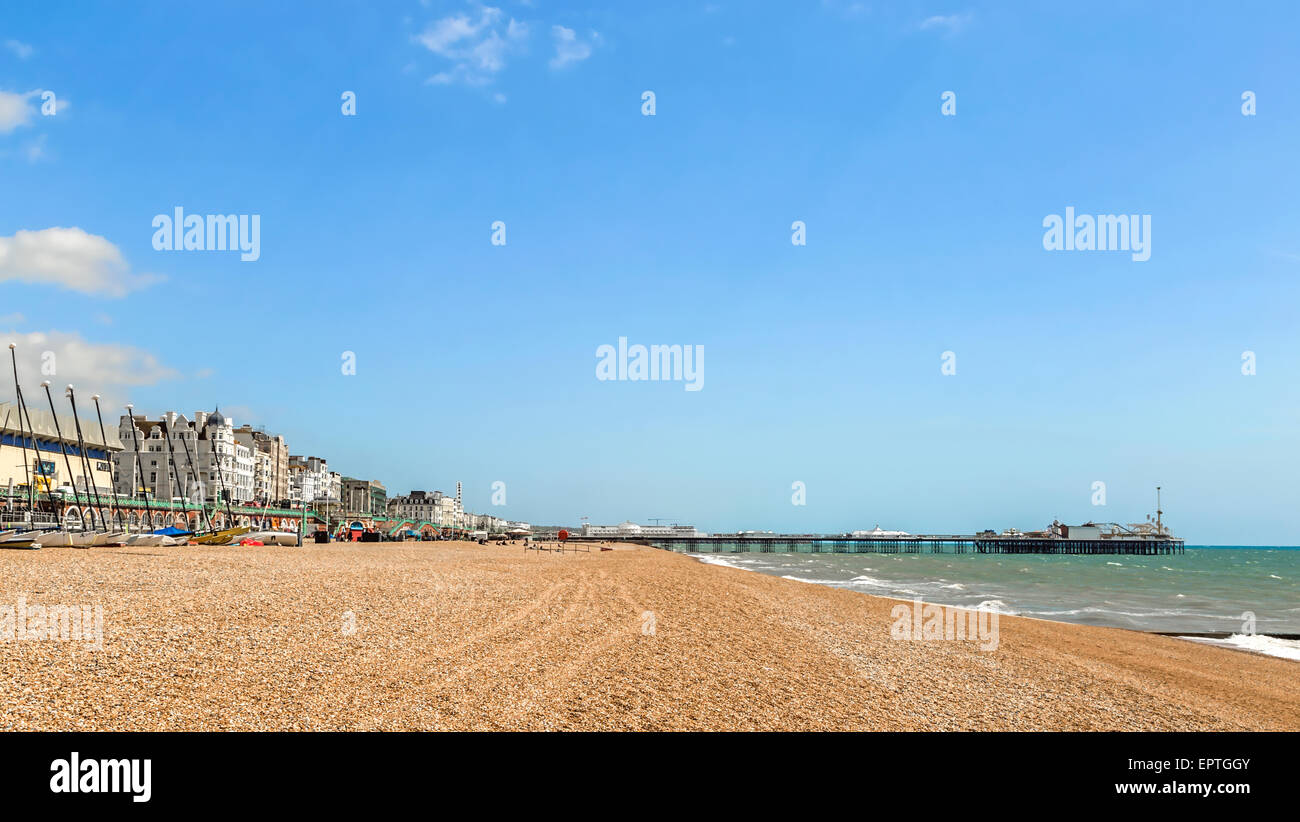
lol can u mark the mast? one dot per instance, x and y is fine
(216, 457)
(86, 473)
(135, 446)
(40, 463)
(189, 458)
(22, 434)
(67, 462)
(176, 471)
(112, 480)
(1159, 528)
(9, 497)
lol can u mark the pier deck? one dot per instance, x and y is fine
(921, 544)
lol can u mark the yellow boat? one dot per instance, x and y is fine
(222, 537)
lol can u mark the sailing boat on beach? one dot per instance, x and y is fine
(26, 537)
(64, 538)
(105, 536)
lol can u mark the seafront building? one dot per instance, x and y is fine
(418, 506)
(182, 459)
(41, 458)
(364, 496)
(430, 506)
(271, 466)
(311, 480)
(426, 510)
(172, 468)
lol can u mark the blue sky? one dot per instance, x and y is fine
(476, 362)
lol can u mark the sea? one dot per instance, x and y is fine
(1250, 593)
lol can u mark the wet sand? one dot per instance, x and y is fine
(454, 636)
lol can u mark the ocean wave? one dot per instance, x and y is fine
(814, 581)
(1092, 609)
(866, 580)
(1259, 643)
(713, 559)
(995, 605)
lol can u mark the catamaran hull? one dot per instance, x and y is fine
(19, 536)
(152, 540)
(274, 537)
(222, 537)
(20, 540)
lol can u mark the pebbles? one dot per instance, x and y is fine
(457, 636)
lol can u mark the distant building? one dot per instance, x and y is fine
(418, 506)
(311, 480)
(1089, 530)
(271, 470)
(442, 510)
(631, 529)
(364, 496)
(878, 533)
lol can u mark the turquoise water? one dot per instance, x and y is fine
(1205, 589)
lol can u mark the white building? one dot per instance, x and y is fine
(631, 529)
(440, 509)
(878, 533)
(311, 480)
(178, 458)
(417, 506)
(243, 484)
(270, 463)
(263, 477)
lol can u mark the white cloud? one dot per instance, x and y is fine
(15, 110)
(22, 50)
(950, 23)
(69, 258)
(20, 109)
(12, 319)
(568, 47)
(477, 45)
(110, 369)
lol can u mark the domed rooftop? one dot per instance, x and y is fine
(215, 418)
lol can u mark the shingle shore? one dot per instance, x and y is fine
(458, 636)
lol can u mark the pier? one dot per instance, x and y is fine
(919, 544)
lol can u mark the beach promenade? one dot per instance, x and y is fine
(456, 636)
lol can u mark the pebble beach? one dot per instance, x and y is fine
(459, 636)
